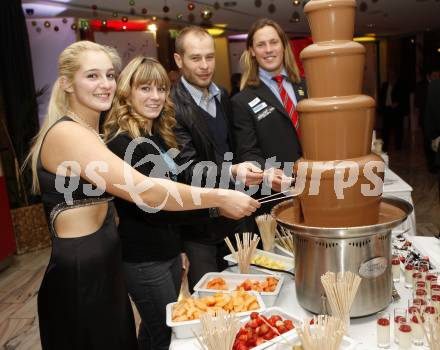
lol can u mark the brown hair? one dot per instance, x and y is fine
(199, 31)
(250, 65)
(123, 118)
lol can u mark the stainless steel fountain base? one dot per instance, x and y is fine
(364, 250)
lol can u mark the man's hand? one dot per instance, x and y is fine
(276, 179)
(435, 143)
(247, 173)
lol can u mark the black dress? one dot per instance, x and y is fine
(83, 303)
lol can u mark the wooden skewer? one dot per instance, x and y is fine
(245, 250)
(341, 290)
(326, 334)
(267, 226)
(218, 331)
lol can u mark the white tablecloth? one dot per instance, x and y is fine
(396, 187)
(363, 330)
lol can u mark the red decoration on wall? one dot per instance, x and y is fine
(191, 6)
(118, 25)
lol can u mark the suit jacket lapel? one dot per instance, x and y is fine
(264, 93)
(199, 120)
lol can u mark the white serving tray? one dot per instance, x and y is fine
(288, 262)
(233, 280)
(285, 316)
(293, 339)
(185, 329)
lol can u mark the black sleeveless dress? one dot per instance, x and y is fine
(83, 303)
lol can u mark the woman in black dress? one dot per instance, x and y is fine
(83, 303)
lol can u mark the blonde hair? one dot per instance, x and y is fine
(249, 63)
(68, 64)
(123, 118)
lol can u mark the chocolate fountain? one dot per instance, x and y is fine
(339, 220)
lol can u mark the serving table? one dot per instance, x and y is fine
(362, 330)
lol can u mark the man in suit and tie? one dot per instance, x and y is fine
(203, 112)
(265, 118)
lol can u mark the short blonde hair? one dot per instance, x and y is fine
(180, 39)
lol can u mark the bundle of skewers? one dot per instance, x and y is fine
(285, 237)
(267, 227)
(341, 289)
(218, 332)
(245, 249)
(431, 330)
(326, 333)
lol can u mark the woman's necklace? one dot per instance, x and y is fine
(81, 121)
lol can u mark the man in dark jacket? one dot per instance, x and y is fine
(265, 118)
(203, 112)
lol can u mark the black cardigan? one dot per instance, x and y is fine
(148, 236)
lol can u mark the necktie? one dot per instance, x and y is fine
(288, 103)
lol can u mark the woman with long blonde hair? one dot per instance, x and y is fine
(142, 115)
(82, 302)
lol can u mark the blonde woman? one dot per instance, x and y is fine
(82, 302)
(143, 115)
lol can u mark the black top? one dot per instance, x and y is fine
(62, 191)
(146, 235)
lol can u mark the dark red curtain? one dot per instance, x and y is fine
(297, 45)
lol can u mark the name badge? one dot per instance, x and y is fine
(259, 107)
(265, 113)
(254, 102)
(301, 92)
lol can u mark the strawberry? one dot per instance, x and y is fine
(252, 324)
(282, 328)
(260, 341)
(264, 328)
(289, 325)
(269, 335)
(243, 337)
(254, 315)
(252, 341)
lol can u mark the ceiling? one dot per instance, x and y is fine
(383, 17)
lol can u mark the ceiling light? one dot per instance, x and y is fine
(215, 31)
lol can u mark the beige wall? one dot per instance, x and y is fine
(222, 74)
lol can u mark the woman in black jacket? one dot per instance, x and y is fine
(139, 130)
